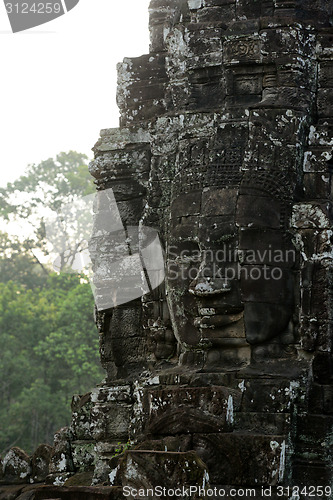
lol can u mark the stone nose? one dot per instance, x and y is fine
(203, 286)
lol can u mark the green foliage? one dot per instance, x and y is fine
(48, 337)
(49, 352)
(121, 448)
(42, 193)
(48, 184)
(19, 263)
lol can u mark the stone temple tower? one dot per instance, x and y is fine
(225, 149)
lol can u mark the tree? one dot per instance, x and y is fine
(49, 352)
(19, 263)
(40, 195)
(48, 338)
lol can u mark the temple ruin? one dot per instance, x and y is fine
(222, 376)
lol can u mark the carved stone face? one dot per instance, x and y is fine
(229, 278)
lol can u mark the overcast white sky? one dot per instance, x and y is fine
(58, 81)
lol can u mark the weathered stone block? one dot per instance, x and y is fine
(316, 161)
(72, 493)
(249, 9)
(310, 215)
(61, 460)
(271, 397)
(218, 201)
(286, 41)
(223, 236)
(170, 469)
(314, 436)
(324, 45)
(242, 49)
(268, 423)
(144, 111)
(266, 246)
(157, 35)
(225, 13)
(80, 479)
(178, 410)
(326, 74)
(162, 194)
(310, 472)
(317, 186)
(140, 92)
(83, 453)
(323, 367)
(240, 459)
(216, 3)
(325, 103)
(114, 140)
(111, 421)
(202, 95)
(11, 492)
(177, 443)
(146, 67)
(16, 466)
(40, 463)
(81, 408)
(204, 40)
(257, 211)
(195, 4)
(115, 393)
